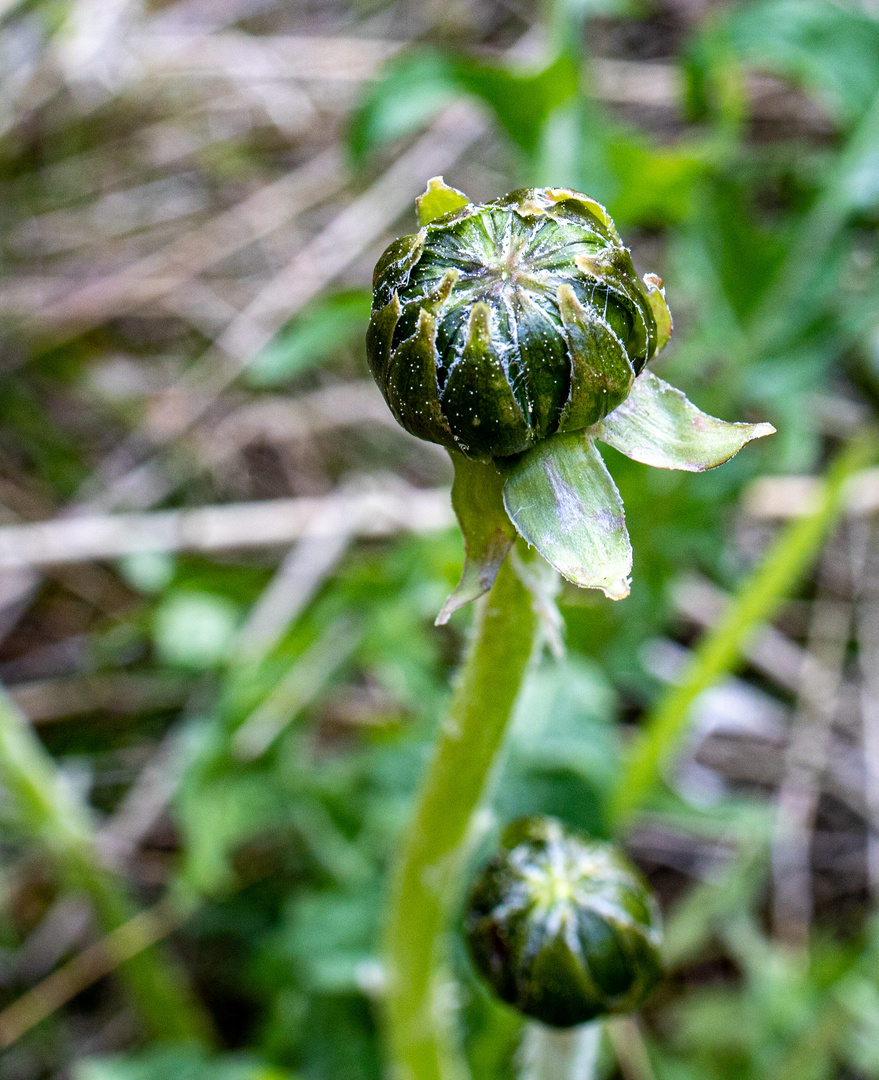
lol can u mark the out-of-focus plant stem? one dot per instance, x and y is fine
(719, 651)
(49, 810)
(567, 1054)
(421, 1030)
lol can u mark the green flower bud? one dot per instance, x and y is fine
(563, 927)
(516, 334)
(498, 325)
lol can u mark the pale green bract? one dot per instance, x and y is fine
(544, 480)
(581, 529)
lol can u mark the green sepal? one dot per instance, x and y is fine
(561, 498)
(539, 368)
(477, 399)
(659, 307)
(437, 200)
(393, 268)
(659, 426)
(602, 374)
(612, 267)
(477, 499)
(439, 297)
(411, 383)
(379, 336)
(575, 202)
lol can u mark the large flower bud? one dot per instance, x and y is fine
(497, 325)
(563, 927)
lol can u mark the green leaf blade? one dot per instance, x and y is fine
(521, 102)
(563, 501)
(659, 426)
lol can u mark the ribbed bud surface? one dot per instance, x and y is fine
(497, 325)
(563, 928)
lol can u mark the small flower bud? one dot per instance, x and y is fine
(562, 927)
(497, 325)
(517, 333)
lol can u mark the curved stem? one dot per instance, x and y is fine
(420, 1025)
(52, 812)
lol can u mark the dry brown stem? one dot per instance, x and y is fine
(382, 511)
(806, 762)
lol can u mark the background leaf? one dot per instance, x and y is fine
(335, 322)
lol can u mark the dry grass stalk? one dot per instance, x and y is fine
(806, 762)
(382, 511)
(147, 928)
(155, 276)
(779, 498)
(865, 572)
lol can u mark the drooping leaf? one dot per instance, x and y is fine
(563, 501)
(438, 199)
(658, 426)
(477, 498)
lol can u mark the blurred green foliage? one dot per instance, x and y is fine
(183, 1064)
(296, 768)
(312, 339)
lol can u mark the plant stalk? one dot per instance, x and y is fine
(567, 1054)
(421, 1030)
(50, 811)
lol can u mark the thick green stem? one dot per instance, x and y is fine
(420, 1022)
(567, 1054)
(49, 810)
